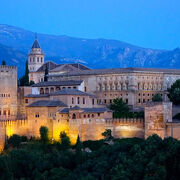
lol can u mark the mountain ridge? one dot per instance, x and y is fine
(15, 44)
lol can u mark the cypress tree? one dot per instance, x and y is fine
(46, 73)
(3, 62)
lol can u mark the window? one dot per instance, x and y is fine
(105, 101)
(38, 59)
(83, 100)
(72, 100)
(92, 115)
(4, 112)
(26, 101)
(37, 115)
(84, 116)
(98, 114)
(78, 100)
(9, 113)
(85, 89)
(110, 101)
(88, 115)
(139, 100)
(33, 59)
(41, 59)
(144, 100)
(92, 101)
(127, 101)
(74, 116)
(0, 112)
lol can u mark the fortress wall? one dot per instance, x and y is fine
(92, 129)
(8, 90)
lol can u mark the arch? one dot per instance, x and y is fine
(47, 91)
(74, 116)
(52, 90)
(41, 91)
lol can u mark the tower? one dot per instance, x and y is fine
(36, 57)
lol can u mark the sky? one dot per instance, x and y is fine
(146, 23)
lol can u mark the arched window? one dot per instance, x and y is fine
(74, 116)
(41, 91)
(52, 90)
(47, 91)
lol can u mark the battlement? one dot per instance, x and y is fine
(5, 67)
(125, 121)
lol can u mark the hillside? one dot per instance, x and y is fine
(95, 53)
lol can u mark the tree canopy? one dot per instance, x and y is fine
(157, 98)
(3, 62)
(174, 93)
(125, 159)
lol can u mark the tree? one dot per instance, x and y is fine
(3, 62)
(46, 73)
(174, 93)
(44, 134)
(14, 140)
(78, 147)
(107, 134)
(157, 98)
(64, 139)
(119, 106)
(24, 81)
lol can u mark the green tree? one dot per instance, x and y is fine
(157, 98)
(119, 108)
(14, 140)
(174, 93)
(46, 73)
(44, 134)
(78, 147)
(107, 134)
(24, 80)
(3, 62)
(64, 140)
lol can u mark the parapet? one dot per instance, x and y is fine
(8, 67)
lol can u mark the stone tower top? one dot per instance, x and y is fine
(36, 57)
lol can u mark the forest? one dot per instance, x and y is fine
(106, 159)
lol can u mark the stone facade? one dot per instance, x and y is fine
(75, 99)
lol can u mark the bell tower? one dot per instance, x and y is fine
(35, 57)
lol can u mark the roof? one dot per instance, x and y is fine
(70, 67)
(51, 65)
(36, 95)
(36, 44)
(71, 92)
(118, 71)
(86, 110)
(47, 103)
(57, 83)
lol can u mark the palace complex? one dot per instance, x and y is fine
(75, 99)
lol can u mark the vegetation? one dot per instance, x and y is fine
(121, 110)
(157, 98)
(107, 134)
(177, 116)
(174, 93)
(24, 80)
(3, 62)
(44, 134)
(46, 73)
(125, 159)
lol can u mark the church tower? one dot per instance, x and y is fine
(36, 57)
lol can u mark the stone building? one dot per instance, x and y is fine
(75, 99)
(8, 92)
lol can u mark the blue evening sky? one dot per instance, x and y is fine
(146, 23)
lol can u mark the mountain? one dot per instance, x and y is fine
(95, 53)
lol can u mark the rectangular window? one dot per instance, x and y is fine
(26, 101)
(139, 100)
(83, 100)
(92, 101)
(78, 100)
